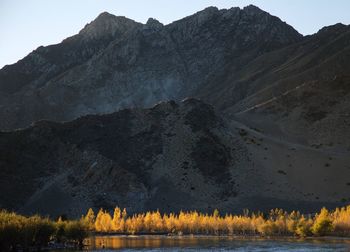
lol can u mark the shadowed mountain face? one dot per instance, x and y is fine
(302, 88)
(169, 157)
(116, 63)
(163, 157)
(275, 135)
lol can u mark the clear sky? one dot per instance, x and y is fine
(27, 24)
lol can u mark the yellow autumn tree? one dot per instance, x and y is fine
(89, 219)
(116, 222)
(303, 227)
(322, 224)
(341, 221)
(103, 221)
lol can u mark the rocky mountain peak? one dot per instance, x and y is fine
(209, 10)
(107, 24)
(334, 29)
(253, 9)
(153, 24)
(105, 15)
(206, 14)
(197, 19)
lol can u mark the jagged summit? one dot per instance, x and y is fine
(153, 23)
(212, 10)
(104, 15)
(107, 24)
(336, 28)
(208, 10)
(203, 15)
(253, 8)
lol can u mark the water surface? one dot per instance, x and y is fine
(210, 243)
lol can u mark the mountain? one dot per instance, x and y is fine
(306, 94)
(170, 157)
(267, 127)
(117, 63)
(162, 157)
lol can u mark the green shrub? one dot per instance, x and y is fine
(76, 231)
(36, 232)
(41, 230)
(60, 231)
(10, 229)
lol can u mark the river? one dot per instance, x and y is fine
(213, 243)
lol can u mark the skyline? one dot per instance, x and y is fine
(23, 29)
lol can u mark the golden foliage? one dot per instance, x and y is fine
(322, 224)
(90, 219)
(276, 223)
(103, 221)
(341, 221)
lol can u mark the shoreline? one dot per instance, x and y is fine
(282, 237)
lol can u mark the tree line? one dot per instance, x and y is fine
(19, 232)
(276, 223)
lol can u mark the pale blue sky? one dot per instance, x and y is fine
(27, 24)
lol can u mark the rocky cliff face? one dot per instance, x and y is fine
(116, 63)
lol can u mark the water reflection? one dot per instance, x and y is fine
(214, 243)
(117, 242)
